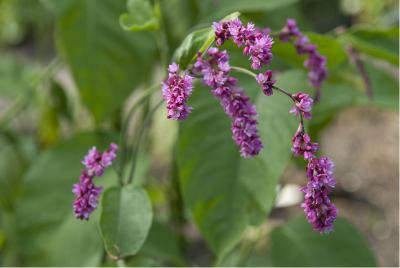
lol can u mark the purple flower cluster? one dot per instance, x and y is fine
(176, 90)
(86, 193)
(319, 210)
(257, 43)
(303, 104)
(315, 63)
(215, 71)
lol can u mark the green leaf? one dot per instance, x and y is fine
(44, 209)
(141, 16)
(379, 43)
(125, 220)
(224, 192)
(197, 41)
(296, 244)
(107, 63)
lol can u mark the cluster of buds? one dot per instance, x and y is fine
(86, 193)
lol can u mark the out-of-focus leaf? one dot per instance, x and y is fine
(57, 7)
(327, 46)
(209, 161)
(15, 76)
(197, 41)
(162, 244)
(211, 10)
(45, 202)
(384, 86)
(141, 16)
(379, 43)
(296, 244)
(125, 220)
(106, 62)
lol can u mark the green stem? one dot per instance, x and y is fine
(122, 140)
(244, 71)
(139, 139)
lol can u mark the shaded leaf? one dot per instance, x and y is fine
(162, 244)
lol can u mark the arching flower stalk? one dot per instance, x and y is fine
(213, 68)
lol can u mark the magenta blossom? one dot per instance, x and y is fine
(266, 82)
(302, 145)
(303, 104)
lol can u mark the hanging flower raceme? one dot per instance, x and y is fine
(315, 63)
(319, 210)
(176, 91)
(215, 72)
(86, 193)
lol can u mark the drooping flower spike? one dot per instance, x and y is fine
(215, 72)
(86, 193)
(315, 63)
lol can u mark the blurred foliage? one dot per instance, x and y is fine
(70, 71)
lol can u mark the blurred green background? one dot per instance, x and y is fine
(69, 73)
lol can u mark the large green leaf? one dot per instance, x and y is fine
(197, 41)
(106, 62)
(225, 192)
(44, 210)
(296, 244)
(125, 220)
(141, 16)
(379, 43)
